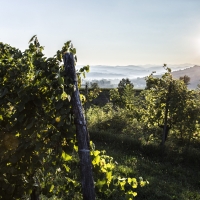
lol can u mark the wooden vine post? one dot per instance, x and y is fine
(81, 132)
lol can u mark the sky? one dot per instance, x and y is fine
(107, 32)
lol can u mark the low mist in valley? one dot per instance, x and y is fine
(109, 76)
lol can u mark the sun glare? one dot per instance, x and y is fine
(198, 46)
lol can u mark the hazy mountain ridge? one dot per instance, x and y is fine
(130, 71)
(109, 76)
(192, 72)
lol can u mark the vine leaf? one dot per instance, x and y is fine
(32, 38)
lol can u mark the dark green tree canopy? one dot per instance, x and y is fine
(122, 84)
(185, 79)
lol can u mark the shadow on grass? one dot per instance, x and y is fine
(172, 152)
(173, 173)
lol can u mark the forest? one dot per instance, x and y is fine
(142, 146)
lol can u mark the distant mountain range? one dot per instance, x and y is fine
(109, 76)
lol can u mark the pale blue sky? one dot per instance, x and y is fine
(107, 32)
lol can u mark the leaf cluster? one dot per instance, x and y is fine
(38, 152)
(36, 121)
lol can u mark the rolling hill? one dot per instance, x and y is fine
(192, 72)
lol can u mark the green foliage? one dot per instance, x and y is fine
(122, 84)
(135, 134)
(123, 96)
(113, 122)
(37, 146)
(90, 92)
(134, 147)
(183, 105)
(36, 121)
(94, 91)
(108, 184)
(101, 119)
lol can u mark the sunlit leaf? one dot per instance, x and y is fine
(51, 188)
(66, 157)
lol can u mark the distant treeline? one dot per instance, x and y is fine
(104, 96)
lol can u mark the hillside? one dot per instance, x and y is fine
(109, 76)
(192, 72)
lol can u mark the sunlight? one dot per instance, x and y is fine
(198, 46)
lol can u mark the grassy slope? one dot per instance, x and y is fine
(172, 175)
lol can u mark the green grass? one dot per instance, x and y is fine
(172, 174)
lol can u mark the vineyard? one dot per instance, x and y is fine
(143, 146)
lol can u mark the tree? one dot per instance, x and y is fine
(185, 79)
(167, 104)
(123, 96)
(122, 84)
